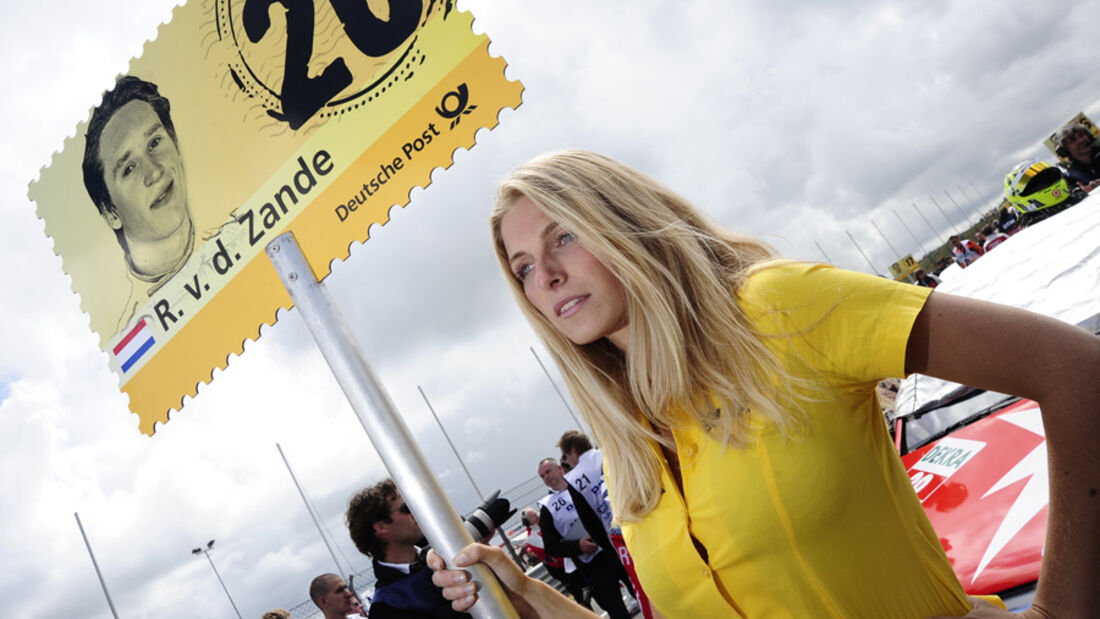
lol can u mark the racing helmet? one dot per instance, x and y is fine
(1034, 185)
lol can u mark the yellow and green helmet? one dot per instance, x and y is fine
(1034, 185)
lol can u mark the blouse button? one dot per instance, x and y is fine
(704, 572)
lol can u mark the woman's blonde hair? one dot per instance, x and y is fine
(691, 349)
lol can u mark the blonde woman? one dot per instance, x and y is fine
(732, 394)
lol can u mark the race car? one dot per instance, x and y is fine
(1037, 190)
(983, 484)
(977, 459)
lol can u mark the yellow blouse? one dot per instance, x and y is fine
(823, 523)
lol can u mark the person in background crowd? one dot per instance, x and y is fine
(965, 252)
(331, 594)
(926, 279)
(1008, 220)
(572, 529)
(383, 528)
(585, 472)
(586, 475)
(732, 394)
(1080, 148)
(555, 566)
(992, 239)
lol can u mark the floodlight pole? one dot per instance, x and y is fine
(206, 551)
(978, 201)
(504, 536)
(873, 269)
(376, 412)
(920, 246)
(996, 203)
(958, 208)
(555, 386)
(450, 442)
(316, 522)
(883, 235)
(943, 213)
(935, 234)
(91, 554)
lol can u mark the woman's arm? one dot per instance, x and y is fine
(532, 598)
(1009, 350)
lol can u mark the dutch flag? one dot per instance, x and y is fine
(132, 347)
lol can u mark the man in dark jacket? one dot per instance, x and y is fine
(384, 529)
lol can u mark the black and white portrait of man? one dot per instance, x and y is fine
(135, 175)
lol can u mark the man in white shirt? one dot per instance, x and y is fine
(586, 475)
(965, 252)
(572, 529)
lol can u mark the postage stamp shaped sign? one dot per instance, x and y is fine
(244, 119)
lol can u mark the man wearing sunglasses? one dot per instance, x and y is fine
(383, 528)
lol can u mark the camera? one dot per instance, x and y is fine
(493, 512)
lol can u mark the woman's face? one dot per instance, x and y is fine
(561, 279)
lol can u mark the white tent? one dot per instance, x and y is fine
(1051, 268)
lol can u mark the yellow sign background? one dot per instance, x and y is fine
(1079, 119)
(403, 115)
(904, 267)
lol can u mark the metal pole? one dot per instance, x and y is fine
(372, 405)
(555, 385)
(507, 542)
(99, 574)
(863, 254)
(317, 524)
(450, 442)
(896, 252)
(943, 213)
(823, 253)
(222, 582)
(966, 218)
(920, 245)
(996, 202)
(978, 201)
(935, 234)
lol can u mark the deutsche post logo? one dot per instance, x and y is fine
(305, 58)
(454, 104)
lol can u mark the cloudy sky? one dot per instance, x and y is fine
(796, 122)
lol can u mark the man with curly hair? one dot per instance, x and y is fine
(383, 528)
